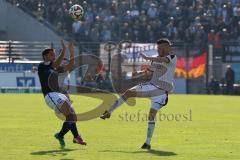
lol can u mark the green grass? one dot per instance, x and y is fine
(27, 126)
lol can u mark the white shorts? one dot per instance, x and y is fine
(55, 100)
(158, 97)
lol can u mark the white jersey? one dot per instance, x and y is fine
(163, 73)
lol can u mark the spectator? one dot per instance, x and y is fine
(89, 81)
(152, 11)
(100, 81)
(213, 87)
(230, 79)
(79, 81)
(100, 69)
(105, 34)
(134, 74)
(34, 68)
(107, 82)
(76, 26)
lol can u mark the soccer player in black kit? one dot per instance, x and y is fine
(54, 97)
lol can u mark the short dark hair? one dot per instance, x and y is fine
(164, 40)
(46, 51)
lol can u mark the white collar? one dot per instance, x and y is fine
(47, 63)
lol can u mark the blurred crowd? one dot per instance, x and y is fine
(196, 21)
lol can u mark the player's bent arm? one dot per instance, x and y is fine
(70, 65)
(59, 59)
(156, 59)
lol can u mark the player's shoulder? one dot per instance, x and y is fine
(172, 56)
(44, 65)
(40, 65)
(49, 63)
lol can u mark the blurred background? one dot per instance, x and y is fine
(205, 36)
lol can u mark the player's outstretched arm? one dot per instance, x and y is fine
(155, 59)
(70, 65)
(61, 55)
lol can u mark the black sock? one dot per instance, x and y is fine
(64, 130)
(74, 130)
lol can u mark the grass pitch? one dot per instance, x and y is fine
(203, 127)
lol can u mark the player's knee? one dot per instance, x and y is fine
(152, 115)
(71, 117)
(129, 94)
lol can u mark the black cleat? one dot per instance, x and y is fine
(105, 115)
(146, 146)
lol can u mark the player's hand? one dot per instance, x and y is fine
(62, 44)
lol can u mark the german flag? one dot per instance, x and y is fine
(181, 68)
(194, 68)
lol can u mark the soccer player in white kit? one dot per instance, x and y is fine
(163, 69)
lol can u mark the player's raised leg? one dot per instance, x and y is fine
(141, 90)
(128, 94)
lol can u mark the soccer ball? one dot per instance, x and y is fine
(76, 12)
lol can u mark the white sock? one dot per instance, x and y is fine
(116, 104)
(150, 129)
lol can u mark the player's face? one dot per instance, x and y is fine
(50, 56)
(163, 49)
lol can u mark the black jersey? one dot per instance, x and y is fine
(44, 72)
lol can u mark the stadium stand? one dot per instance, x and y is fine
(16, 50)
(142, 20)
